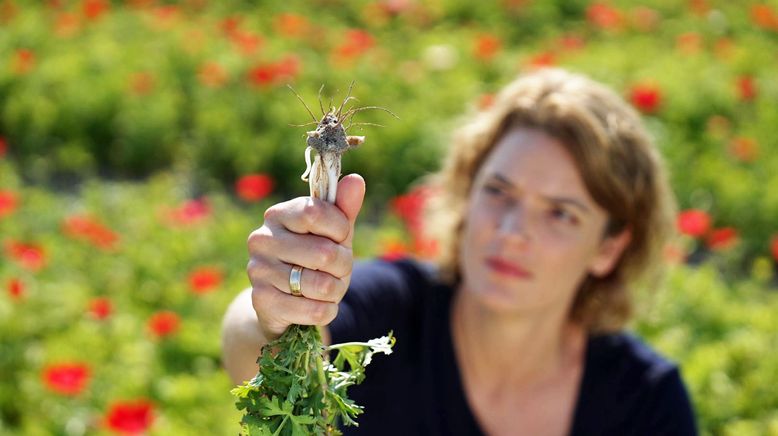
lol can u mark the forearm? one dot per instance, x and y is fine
(241, 338)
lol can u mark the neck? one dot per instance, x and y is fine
(509, 349)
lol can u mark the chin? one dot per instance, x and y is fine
(495, 297)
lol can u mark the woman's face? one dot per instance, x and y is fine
(532, 232)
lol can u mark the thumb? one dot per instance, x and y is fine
(351, 192)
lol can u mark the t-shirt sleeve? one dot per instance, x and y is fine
(671, 412)
(382, 296)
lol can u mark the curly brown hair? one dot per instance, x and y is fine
(619, 163)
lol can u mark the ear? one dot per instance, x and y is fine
(609, 252)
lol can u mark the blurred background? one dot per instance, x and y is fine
(141, 141)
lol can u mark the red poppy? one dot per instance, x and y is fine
(130, 417)
(410, 206)
(572, 42)
(646, 97)
(774, 247)
(425, 247)
(163, 324)
(3, 146)
(204, 279)
(66, 378)
(355, 43)
(486, 47)
(8, 203)
(746, 88)
(645, 19)
(699, 7)
(744, 149)
(693, 222)
(263, 74)
(724, 48)
(393, 249)
(142, 83)
(604, 16)
(212, 74)
(254, 187)
(246, 42)
(722, 239)
(93, 9)
(764, 16)
(85, 228)
(66, 24)
(16, 288)
(191, 212)
(100, 308)
(485, 101)
(689, 42)
(288, 67)
(24, 61)
(29, 256)
(545, 59)
(291, 25)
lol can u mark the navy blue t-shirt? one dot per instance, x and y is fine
(626, 388)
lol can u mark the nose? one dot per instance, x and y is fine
(514, 224)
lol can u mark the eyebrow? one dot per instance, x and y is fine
(559, 200)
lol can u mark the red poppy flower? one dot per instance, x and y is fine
(693, 222)
(645, 19)
(8, 203)
(485, 101)
(746, 88)
(254, 187)
(604, 16)
(410, 206)
(90, 230)
(355, 43)
(689, 42)
(486, 47)
(142, 83)
(646, 97)
(764, 16)
(3, 146)
(16, 288)
(212, 74)
(230, 25)
(263, 74)
(24, 61)
(774, 247)
(66, 378)
(130, 417)
(699, 7)
(204, 279)
(163, 324)
(66, 24)
(29, 256)
(100, 308)
(545, 59)
(93, 9)
(722, 239)
(744, 149)
(572, 42)
(288, 67)
(246, 42)
(425, 247)
(393, 249)
(191, 212)
(291, 25)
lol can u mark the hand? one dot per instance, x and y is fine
(315, 235)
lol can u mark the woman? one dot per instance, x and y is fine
(553, 203)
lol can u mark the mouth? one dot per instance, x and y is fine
(503, 267)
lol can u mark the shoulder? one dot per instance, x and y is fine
(642, 389)
(406, 273)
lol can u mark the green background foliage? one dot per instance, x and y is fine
(126, 111)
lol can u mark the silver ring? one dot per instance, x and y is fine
(294, 280)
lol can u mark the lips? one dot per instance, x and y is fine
(507, 268)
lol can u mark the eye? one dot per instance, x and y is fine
(563, 215)
(493, 190)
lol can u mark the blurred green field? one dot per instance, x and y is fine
(141, 141)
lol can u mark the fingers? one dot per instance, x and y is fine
(314, 285)
(277, 310)
(351, 194)
(304, 215)
(309, 251)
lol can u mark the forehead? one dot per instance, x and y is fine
(534, 161)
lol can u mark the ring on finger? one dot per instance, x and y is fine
(295, 277)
